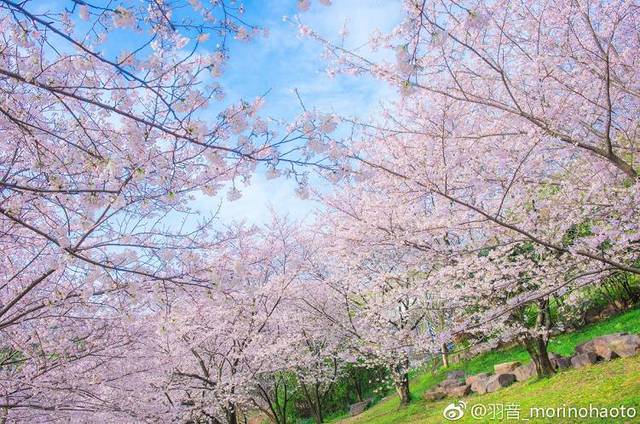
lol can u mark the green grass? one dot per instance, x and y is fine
(603, 385)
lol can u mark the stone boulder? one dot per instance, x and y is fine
(472, 378)
(583, 359)
(458, 374)
(561, 363)
(479, 385)
(451, 382)
(506, 367)
(459, 391)
(611, 346)
(525, 372)
(606, 353)
(599, 346)
(454, 385)
(434, 394)
(358, 408)
(499, 381)
(588, 346)
(626, 346)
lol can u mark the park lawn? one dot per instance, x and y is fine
(607, 384)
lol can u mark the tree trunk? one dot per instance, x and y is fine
(356, 378)
(313, 401)
(400, 373)
(402, 387)
(271, 396)
(445, 355)
(536, 345)
(232, 415)
(358, 387)
(318, 414)
(537, 348)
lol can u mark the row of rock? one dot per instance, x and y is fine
(604, 348)
(619, 345)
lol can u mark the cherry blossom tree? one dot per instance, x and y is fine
(104, 145)
(376, 279)
(501, 99)
(222, 345)
(502, 295)
(317, 360)
(504, 175)
(515, 124)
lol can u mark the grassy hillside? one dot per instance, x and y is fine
(608, 384)
(603, 385)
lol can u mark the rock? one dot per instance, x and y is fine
(599, 346)
(590, 345)
(459, 391)
(586, 347)
(625, 348)
(455, 375)
(583, 359)
(479, 383)
(358, 408)
(453, 382)
(480, 386)
(506, 367)
(499, 381)
(561, 363)
(611, 346)
(472, 378)
(434, 394)
(525, 372)
(606, 353)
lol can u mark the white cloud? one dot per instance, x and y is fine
(284, 61)
(257, 202)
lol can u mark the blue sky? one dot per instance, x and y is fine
(284, 61)
(279, 63)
